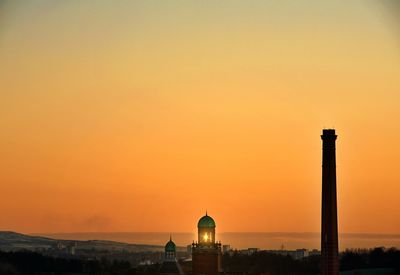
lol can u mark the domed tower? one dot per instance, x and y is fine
(206, 252)
(170, 265)
(206, 230)
(170, 250)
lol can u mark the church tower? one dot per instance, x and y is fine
(206, 252)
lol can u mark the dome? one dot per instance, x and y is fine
(206, 222)
(170, 246)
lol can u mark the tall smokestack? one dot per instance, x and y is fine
(329, 227)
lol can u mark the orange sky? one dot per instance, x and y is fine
(138, 116)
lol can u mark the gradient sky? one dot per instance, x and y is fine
(140, 115)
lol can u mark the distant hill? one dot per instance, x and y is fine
(12, 241)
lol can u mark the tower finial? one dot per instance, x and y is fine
(170, 238)
(206, 213)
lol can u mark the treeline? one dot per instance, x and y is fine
(26, 263)
(268, 263)
(375, 258)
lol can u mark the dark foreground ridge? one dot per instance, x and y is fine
(374, 261)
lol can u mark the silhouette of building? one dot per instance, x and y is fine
(295, 254)
(329, 225)
(170, 265)
(226, 248)
(249, 251)
(71, 249)
(206, 252)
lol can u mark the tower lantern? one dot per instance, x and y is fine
(206, 230)
(206, 252)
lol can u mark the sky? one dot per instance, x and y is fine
(142, 115)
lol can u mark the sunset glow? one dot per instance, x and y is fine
(140, 115)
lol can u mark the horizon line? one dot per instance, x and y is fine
(189, 232)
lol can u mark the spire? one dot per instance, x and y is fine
(170, 238)
(206, 213)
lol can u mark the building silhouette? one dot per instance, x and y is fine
(206, 252)
(329, 224)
